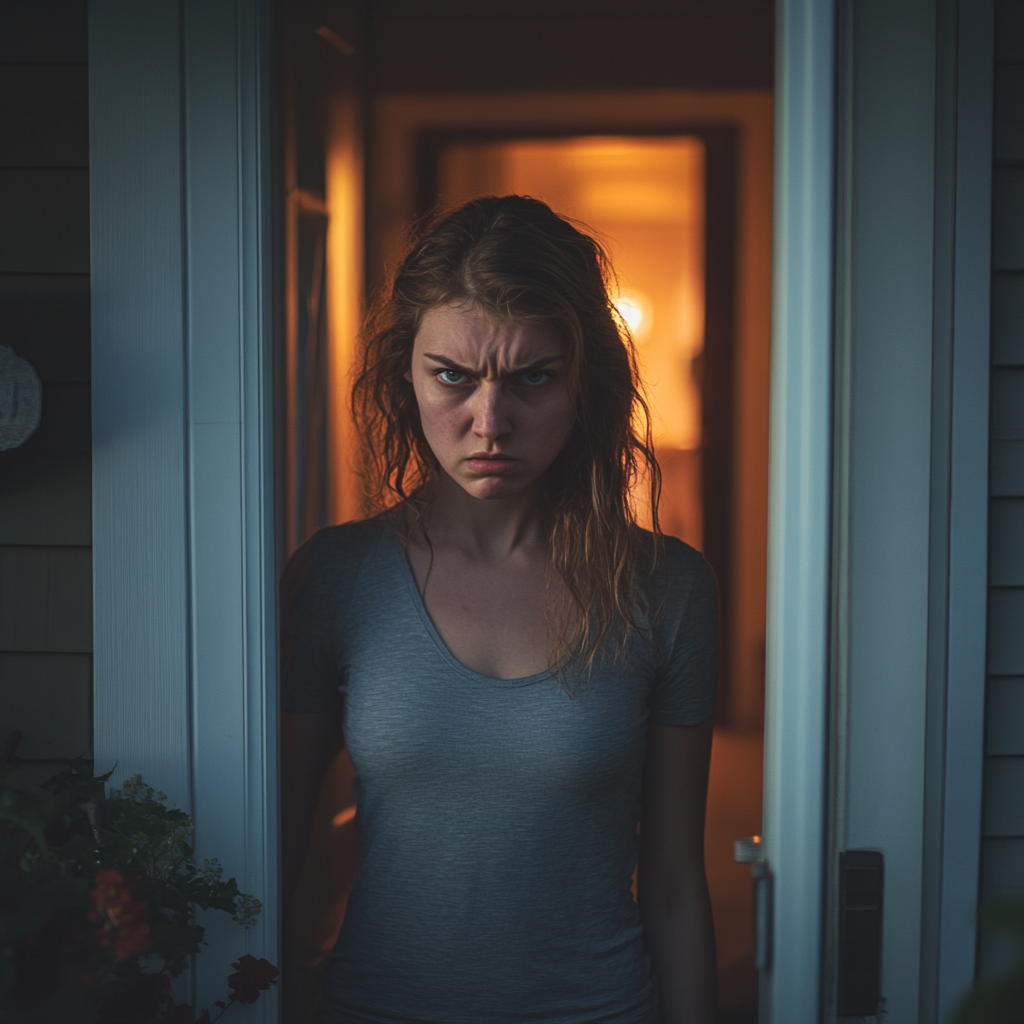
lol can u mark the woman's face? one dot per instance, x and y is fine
(493, 398)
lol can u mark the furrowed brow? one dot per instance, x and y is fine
(450, 363)
(538, 364)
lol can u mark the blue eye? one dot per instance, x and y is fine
(451, 376)
(536, 376)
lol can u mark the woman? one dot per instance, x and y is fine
(524, 673)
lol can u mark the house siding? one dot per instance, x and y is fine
(46, 484)
(1002, 859)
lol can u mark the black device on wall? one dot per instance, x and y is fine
(860, 932)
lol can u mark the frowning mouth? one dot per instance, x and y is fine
(488, 463)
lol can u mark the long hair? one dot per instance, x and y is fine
(515, 258)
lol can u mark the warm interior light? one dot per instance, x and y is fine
(631, 310)
(345, 285)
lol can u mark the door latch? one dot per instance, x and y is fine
(750, 851)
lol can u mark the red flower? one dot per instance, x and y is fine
(123, 925)
(254, 976)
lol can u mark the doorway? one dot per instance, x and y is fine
(680, 171)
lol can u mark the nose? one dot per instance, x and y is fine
(490, 412)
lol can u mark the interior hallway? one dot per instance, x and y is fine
(734, 811)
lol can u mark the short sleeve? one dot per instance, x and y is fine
(687, 626)
(315, 590)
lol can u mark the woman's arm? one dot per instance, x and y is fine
(671, 886)
(308, 744)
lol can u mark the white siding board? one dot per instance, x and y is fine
(1003, 812)
(1004, 716)
(185, 567)
(49, 698)
(1008, 320)
(139, 458)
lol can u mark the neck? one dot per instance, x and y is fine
(483, 528)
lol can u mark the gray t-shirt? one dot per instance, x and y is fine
(497, 818)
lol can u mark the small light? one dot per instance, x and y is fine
(344, 817)
(631, 311)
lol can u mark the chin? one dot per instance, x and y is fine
(493, 489)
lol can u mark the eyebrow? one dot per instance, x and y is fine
(452, 365)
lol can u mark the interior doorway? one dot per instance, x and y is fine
(678, 185)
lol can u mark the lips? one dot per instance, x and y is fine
(489, 463)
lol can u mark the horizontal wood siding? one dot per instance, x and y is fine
(45, 214)
(1002, 862)
(44, 115)
(46, 484)
(48, 697)
(46, 599)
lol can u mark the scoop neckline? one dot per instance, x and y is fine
(398, 550)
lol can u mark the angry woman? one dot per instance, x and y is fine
(523, 678)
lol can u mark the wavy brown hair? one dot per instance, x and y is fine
(517, 259)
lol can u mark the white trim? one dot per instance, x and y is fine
(799, 506)
(138, 396)
(184, 568)
(968, 507)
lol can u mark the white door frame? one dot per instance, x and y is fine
(799, 526)
(879, 462)
(184, 566)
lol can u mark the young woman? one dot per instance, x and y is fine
(523, 677)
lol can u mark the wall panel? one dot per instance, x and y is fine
(45, 214)
(46, 599)
(48, 697)
(1002, 866)
(44, 115)
(46, 484)
(46, 321)
(1004, 716)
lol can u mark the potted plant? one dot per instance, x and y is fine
(98, 894)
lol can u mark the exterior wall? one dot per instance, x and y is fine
(1002, 864)
(45, 485)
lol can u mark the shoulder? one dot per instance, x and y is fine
(673, 570)
(332, 556)
(680, 590)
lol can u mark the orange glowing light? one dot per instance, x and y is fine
(631, 309)
(344, 817)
